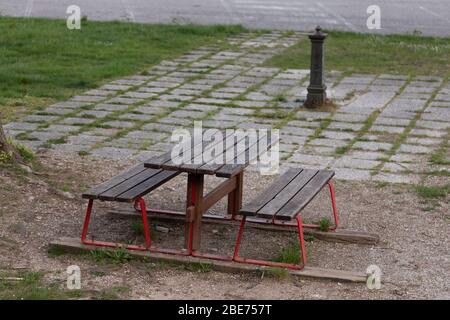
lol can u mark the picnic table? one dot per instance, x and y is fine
(225, 155)
(197, 202)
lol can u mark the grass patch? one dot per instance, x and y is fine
(324, 224)
(433, 192)
(289, 254)
(116, 256)
(41, 61)
(199, 267)
(366, 53)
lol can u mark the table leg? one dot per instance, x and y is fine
(235, 197)
(194, 209)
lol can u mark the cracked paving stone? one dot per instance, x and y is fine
(77, 121)
(20, 126)
(350, 162)
(89, 99)
(372, 146)
(136, 117)
(310, 159)
(178, 121)
(123, 100)
(386, 129)
(352, 174)
(40, 118)
(62, 128)
(120, 124)
(57, 111)
(345, 126)
(110, 107)
(149, 110)
(94, 113)
(139, 95)
(410, 148)
(428, 133)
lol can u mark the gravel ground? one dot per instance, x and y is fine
(414, 254)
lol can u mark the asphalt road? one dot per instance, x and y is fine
(430, 17)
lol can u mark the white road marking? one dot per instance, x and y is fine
(128, 11)
(340, 18)
(29, 8)
(228, 9)
(434, 14)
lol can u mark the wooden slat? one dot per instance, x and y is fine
(305, 195)
(229, 170)
(158, 161)
(196, 154)
(208, 146)
(146, 186)
(270, 193)
(112, 193)
(295, 186)
(212, 166)
(99, 189)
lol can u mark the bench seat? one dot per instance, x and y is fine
(288, 195)
(130, 185)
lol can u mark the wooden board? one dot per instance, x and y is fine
(305, 195)
(268, 194)
(73, 245)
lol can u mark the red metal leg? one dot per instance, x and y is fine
(236, 257)
(148, 240)
(333, 204)
(102, 243)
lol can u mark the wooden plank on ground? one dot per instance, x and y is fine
(73, 245)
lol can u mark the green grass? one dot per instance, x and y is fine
(289, 254)
(363, 53)
(32, 287)
(433, 192)
(113, 256)
(41, 61)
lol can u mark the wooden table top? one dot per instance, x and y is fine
(201, 157)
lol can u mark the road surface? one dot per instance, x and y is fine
(429, 17)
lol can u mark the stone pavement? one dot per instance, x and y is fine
(386, 127)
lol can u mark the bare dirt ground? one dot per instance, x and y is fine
(414, 254)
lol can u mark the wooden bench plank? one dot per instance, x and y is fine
(94, 192)
(146, 186)
(260, 201)
(305, 195)
(295, 186)
(112, 193)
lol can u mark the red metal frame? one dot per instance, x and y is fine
(236, 257)
(148, 241)
(140, 206)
